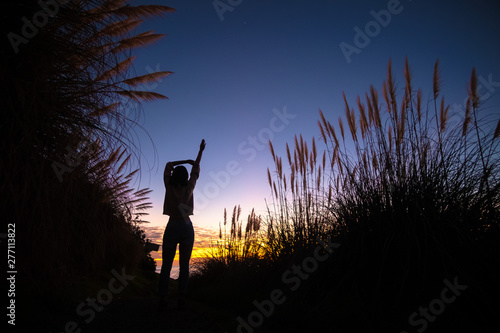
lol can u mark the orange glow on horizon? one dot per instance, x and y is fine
(197, 253)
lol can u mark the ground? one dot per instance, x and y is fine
(144, 315)
(136, 309)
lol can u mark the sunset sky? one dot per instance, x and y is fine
(252, 70)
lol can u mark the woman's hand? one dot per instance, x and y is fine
(202, 147)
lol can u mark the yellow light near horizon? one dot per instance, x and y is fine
(200, 252)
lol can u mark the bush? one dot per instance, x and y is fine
(411, 193)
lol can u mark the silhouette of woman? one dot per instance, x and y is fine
(178, 205)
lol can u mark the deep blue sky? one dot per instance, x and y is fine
(230, 75)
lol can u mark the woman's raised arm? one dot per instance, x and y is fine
(202, 148)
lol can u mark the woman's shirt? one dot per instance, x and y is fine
(179, 199)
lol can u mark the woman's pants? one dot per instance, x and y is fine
(178, 231)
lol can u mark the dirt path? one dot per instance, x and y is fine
(136, 309)
(144, 315)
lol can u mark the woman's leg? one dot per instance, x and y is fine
(168, 253)
(185, 249)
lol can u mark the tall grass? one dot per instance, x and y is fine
(298, 215)
(410, 190)
(402, 159)
(403, 167)
(412, 193)
(69, 97)
(235, 246)
(418, 196)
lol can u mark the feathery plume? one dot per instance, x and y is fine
(376, 111)
(385, 94)
(351, 122)
(104, 110)
(288, 154)
(407, 75)
(341, 125)
(318, 181)
(332, 131)
(145, 11)
(314, 152)
(474, 96)
(312, 161)
(271, 148)
(467, 118)
(142, 39)
(119, 68)
(419, 105)
(436, 80)
(297, 146)
(363, 123)
(148, 78)
(352, 125)
(443, 115)
(280, 169)
(269, 180)
(370, 109)
(116, 29)
(402, 121)
(295, 160)
(323, 120)
(323, 136)
(233, 223)
(392, 90)
(390, 80)
(303, 147)
(249, 226)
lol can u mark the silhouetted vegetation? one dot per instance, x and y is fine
(69, 103)
(410, 191)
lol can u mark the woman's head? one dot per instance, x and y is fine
(179, 176)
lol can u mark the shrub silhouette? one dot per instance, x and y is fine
(410, 191)
(70, 103)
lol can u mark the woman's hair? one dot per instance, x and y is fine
(179, 176)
